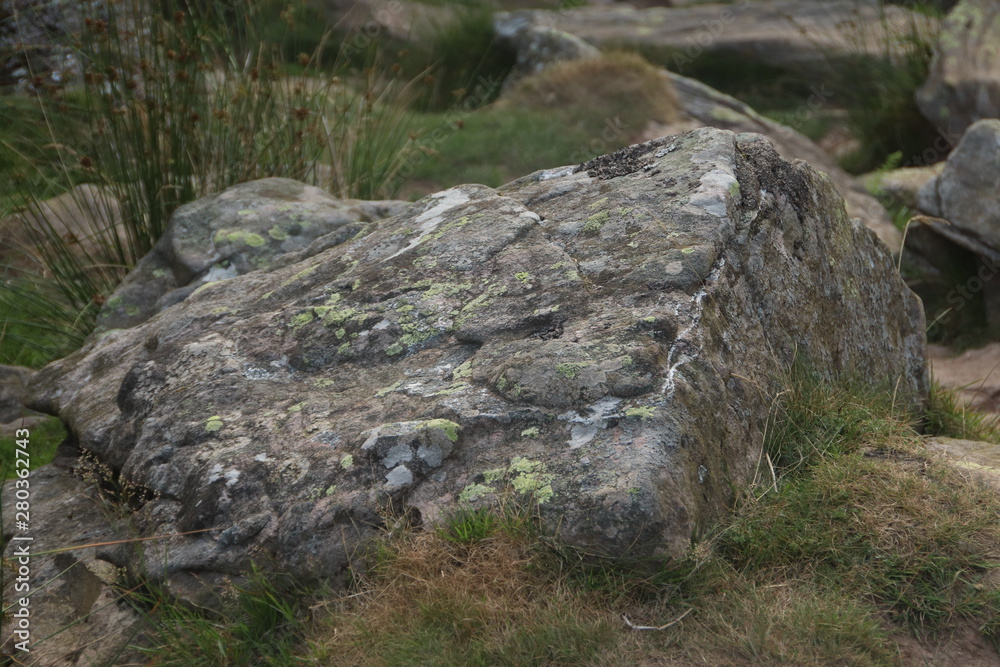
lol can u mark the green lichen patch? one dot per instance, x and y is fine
(301, 320)
(529, 477)
(599, 203)
(531, 432)
(213, 423)
(595, 222)
(347, 462)
(523, 277)
(450, 428)
(474, 492)
(394, 349)
(114, 302)
(463, 371)
(298, 407)
(323, 383)
(642, 412)
(266, 295)
(385, 390)
(570, 370)
(277, 233)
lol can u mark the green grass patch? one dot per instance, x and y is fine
(43, 441)
(256, 623)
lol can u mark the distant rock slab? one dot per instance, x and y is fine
(782, 33)
(605, 341)
(963, 85)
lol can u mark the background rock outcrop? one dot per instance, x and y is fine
(963, 85)
(604, 340)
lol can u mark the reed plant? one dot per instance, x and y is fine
(172, 103)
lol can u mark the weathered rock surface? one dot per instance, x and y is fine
(243, 229)
(76, 616)
(980, 460)
(704, 106)
(963, 84)
(783, 33)
(955, 250)
(536, 47)
(966, 192)
(607, 341)
(974, 374)
(12, 392)
(901, 186)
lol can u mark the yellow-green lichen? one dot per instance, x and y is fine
(301, 320)
(159, 273)
(523, 277)
(595, 222)
(597, 204)
(114, 302)
(394, 349)
(277, 233)
(463, 371)
(298, 407)
(642, 412)
(132, 310)
(347, 462)
(450, 428)
(570, 370)
(530, 432)
(213, 423)
(385, 390)
(344, 349)
(340, 333)
(266, 295)
(688, 250)
(494, 475)
(529, 477)
(474, 492)
(323, 382)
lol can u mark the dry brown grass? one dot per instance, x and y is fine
(489, 602)
(616, 85)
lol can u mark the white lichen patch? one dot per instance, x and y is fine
(428, 221)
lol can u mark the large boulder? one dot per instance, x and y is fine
(243, 229)
(966, 191)
(954, 253)
(788, 34)
(963, 84)
(605, 341)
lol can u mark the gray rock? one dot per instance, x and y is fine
(963, 84)
(537, 47)
(244, 228)
(604, 341)
(901, 186)
(965, 193)
(704, 106)
(13, 381)
(76, 617)
(782, 33)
